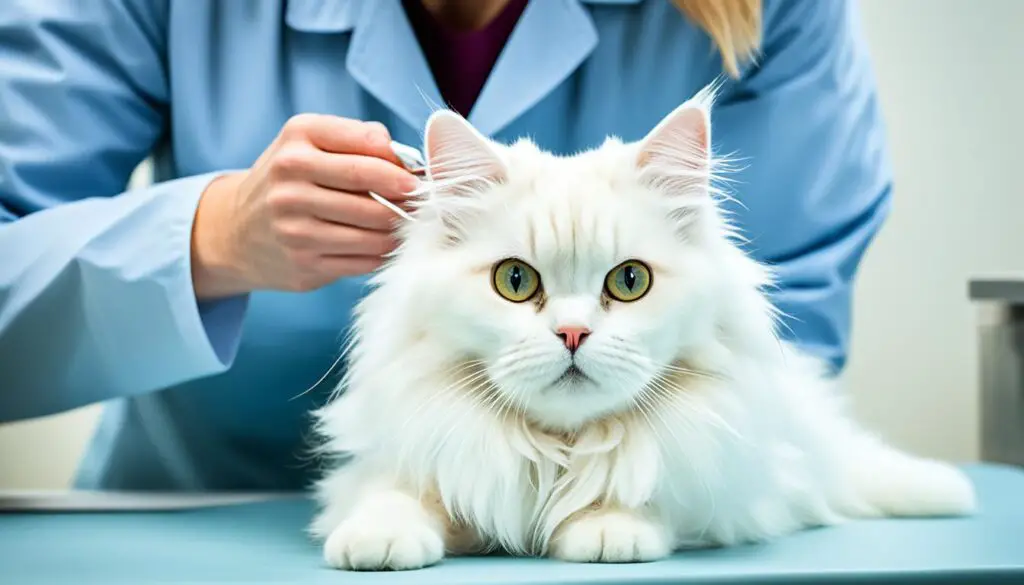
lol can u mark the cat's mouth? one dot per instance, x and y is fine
(572, 375)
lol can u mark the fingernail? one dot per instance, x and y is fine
(409, 184)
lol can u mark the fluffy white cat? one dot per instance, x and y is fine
(570, 356)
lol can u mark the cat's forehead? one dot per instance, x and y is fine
(588, 210)
(536, 171)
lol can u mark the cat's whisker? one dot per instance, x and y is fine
(664, 397)
(675, 368)
(650, 398)
(475, 395)
(482, 394)
(349, 343)
(640, 405)
(511, 403)
(447, 392)
(649, 406)
(679, 399)
(525, 371)
(506, 404)
(498, 406)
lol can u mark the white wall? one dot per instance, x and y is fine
(950, 80)
(949, 73)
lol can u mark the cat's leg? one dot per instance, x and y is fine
(367, 521)
(610, 535)
(386, 529)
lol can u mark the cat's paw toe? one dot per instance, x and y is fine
(610, 537)
(366, 546)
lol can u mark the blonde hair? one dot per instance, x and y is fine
(733, 25)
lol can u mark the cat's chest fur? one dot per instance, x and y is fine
(511, 484)
(515, 484)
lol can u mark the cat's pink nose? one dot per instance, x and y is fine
(572, 336)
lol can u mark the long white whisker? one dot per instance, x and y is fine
(452, 388)
(679, 394)
(476, 394)
(483, 394)
(660, 395)
(348, 345)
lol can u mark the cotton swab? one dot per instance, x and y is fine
(412, 160)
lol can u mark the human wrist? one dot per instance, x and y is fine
(216, 269)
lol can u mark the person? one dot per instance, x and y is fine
(203, 309)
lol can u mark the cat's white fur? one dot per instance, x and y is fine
(698, 427)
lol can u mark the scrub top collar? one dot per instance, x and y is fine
(552, 39)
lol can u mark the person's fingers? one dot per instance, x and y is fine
(359, 174)
(331, 239)
(342, 135)
(354, 209)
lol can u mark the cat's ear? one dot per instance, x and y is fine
(676, 155)
(460, 160)
(461, 165)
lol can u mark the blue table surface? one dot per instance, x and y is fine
(266, 543)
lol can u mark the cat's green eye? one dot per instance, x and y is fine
(628, 281)
(515, 280)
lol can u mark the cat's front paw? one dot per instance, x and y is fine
(610, 537)
(368, 544)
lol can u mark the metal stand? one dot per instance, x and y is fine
(1001, 361)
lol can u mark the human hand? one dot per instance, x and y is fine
(300, 218)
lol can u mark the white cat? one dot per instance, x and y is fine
(569, 356)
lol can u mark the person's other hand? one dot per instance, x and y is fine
(301, 217)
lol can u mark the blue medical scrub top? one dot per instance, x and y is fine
(96, 300)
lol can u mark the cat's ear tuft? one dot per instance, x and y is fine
(461, 164)
(460, 160)
(676, 155)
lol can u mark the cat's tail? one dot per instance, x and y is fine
(889, 482)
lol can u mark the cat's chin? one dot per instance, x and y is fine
(571, 402)
(566, 420)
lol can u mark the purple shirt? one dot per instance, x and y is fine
(461, 60)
